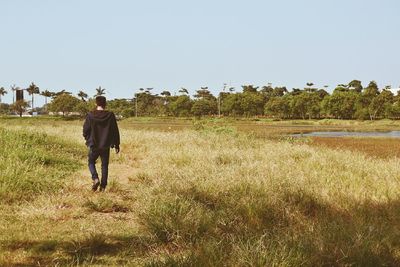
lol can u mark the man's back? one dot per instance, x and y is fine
(101, 130)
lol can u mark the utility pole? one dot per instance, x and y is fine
(136, 105)
(219, 100)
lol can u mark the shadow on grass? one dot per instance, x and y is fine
(77, 252)
(197, 228)
(295, 228)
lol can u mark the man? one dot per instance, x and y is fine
(101, 133)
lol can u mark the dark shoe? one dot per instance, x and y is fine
(102, 189)
(95, 185)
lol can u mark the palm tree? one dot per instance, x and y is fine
(165, 93)
(310, 84)
(83, 95)
(100, 91)
(183, 91)
(46, 94)
(14, 88)
(2, 92)
(309, 87)
(32, 90)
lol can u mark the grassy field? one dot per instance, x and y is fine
(202, 193)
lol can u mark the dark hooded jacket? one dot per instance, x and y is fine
(101, 130)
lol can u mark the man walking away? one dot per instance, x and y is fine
(101, 133)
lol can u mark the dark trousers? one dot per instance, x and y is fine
(104, 155)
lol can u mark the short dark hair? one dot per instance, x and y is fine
(101, 101)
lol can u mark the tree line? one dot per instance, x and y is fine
(347, 101)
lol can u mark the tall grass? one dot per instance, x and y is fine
(212, 197)
(33, 163)
(220, 199)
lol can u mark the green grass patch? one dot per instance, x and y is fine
(32, 163)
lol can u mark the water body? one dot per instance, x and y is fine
(391, 134)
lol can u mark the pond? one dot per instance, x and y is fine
(392, 134)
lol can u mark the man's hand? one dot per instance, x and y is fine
(117, 149)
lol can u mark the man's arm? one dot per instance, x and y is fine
(116, 135)
(86, 128)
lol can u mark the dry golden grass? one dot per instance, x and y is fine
(374, 147)
(211, 198)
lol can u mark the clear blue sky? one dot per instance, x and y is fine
(123, 45)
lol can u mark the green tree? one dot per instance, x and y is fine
(249, 88)
(299, 105)
(121, 107)
(158, 106)
(204, 106)
(252, 103)
(341, 88)
(184, 91)
(325, 107)
(165, 93)
(341, 104)
(62, 92)
(83, 107)
(394, 110)
(5, 108)
(232, 105)
(205, 103)
(372, 89)
(278, 106)
(356, 86)
(180, 106)
(267, 92)
(64, 103)
(364, 108)
(204, 93)
(20, 106)
(322, 94)
(310, 88)
(380, 104)
(14, 88)
(32, 90)
(2, 92)
(46, 94)
(221, 98)
(144, 101)
(313, 105)
(279, 91)
(295, 91)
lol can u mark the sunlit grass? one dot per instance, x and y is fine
(210, 197)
